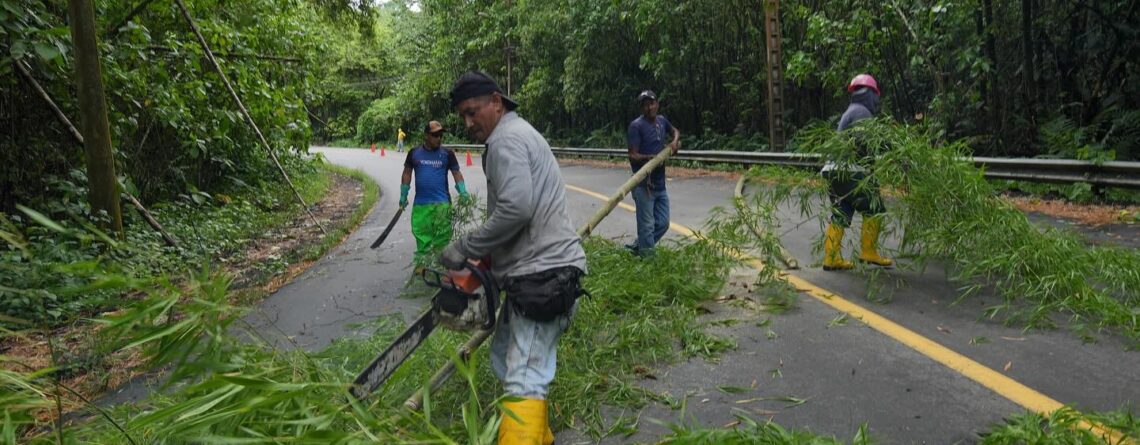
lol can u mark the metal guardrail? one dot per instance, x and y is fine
(1062, 171)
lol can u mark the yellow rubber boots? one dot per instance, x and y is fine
(832, 250)
(871, 228)
(531, 428)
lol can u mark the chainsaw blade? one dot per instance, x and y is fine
(387, 362)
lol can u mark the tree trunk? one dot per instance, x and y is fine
(103, 194)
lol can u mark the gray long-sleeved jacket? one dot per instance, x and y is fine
(864, 105)
(527, 228)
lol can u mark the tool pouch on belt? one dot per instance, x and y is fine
(543, 296)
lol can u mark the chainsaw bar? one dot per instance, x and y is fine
(387, 362)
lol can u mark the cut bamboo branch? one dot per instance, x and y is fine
(245, 113)
(416, 401)
(790, 261)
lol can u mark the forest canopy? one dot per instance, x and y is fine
(1055, 78)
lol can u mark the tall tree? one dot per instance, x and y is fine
(103, 194)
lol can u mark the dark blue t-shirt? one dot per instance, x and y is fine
(431, 167)
(649, 137)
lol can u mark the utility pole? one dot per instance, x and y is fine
(775, 75)
(508, 48)
(103, 188)
(510, 52)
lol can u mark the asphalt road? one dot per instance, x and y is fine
(908, 368)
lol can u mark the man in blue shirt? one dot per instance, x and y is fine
(645, 139)
(431, 214)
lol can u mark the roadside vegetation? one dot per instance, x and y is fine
(61, 278)
(224, 387)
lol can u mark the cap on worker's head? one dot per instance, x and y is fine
(477, 84)
(646, 95)
(434, 127)
(863, 81)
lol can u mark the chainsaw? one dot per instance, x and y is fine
(466, 301)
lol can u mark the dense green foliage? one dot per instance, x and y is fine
(172, 126)
(45, 266)
(181, 145)
(1048, 77)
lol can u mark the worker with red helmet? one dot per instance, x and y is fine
(851, 191)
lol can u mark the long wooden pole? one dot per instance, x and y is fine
(416, 401)
(103, 194)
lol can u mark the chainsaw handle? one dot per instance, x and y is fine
(434, 278)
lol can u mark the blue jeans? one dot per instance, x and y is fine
(524, 353)
(652, 217)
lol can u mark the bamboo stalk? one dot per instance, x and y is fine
(415, 402)
(244, 112)
(170, 241)
(624, 189)
(27, 75)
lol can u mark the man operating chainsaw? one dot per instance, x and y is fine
(535, 254)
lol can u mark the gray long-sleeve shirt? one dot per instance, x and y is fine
(527, 228)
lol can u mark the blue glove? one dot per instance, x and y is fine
(404, 188)
(461, 187)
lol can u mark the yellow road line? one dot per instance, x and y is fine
(997, 382)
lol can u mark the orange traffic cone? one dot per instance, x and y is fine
(374, 148)
(381, 150)
(469, 159)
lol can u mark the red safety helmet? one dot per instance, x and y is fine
(863, 80)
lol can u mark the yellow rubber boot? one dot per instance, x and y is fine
(871, 228)
(531, 428)
(832, 250)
